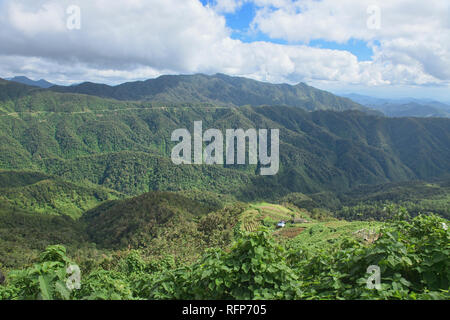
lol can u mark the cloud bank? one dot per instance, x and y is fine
(125, 40)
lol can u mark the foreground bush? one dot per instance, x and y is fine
(413, 257)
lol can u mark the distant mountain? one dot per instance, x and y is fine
(218, 89)
(366, 100)
(24, 80)
(374, 101)
(413, 109)
(406, 107)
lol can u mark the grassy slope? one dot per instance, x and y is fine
(313, 233)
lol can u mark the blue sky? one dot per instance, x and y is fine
(240, 23)
(373, 47)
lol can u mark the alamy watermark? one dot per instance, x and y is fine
(235, 147)
(374, 281)
(73, 21)
(374, 19)
(74, 280)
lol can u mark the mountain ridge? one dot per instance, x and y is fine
(42, 83)
(404, 107)
(125, 145)
(218, 89)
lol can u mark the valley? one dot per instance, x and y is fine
(86, 177)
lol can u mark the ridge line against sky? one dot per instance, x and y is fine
(382, 48)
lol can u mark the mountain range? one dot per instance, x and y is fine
(217, 89)
(94, 173)
(39, 83)
(125, 145)
(406, 107)
(221, 89)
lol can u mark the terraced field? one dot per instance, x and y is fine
(268, 215)
(312, 233)
(320, 235)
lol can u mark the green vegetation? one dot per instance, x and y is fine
(218, 90)
(39, 193)
(379, 201)
(125, 146)
(88, 180)
(413, 256)
(23, 235)
(158, 223)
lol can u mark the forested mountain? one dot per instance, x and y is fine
(94, 175)
(39, 83)
(373, 201)
(126, 146)
(10, 91)
(218, 89)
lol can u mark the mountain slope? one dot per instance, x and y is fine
(128, 149)
(126, 146)
(218, 89)
(10, 92)
(138, 220)
(47, 195)
(39, 83)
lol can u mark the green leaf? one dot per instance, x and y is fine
(62, 290)
(405, 282)
(44, 285)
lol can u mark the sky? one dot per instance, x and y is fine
(384, 48)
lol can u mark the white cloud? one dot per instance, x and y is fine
(227, 6)
(413, 35)
(48, 18)
(127, 40)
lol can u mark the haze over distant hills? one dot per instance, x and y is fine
(24, 80)
(406, 107)
(218, 89)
